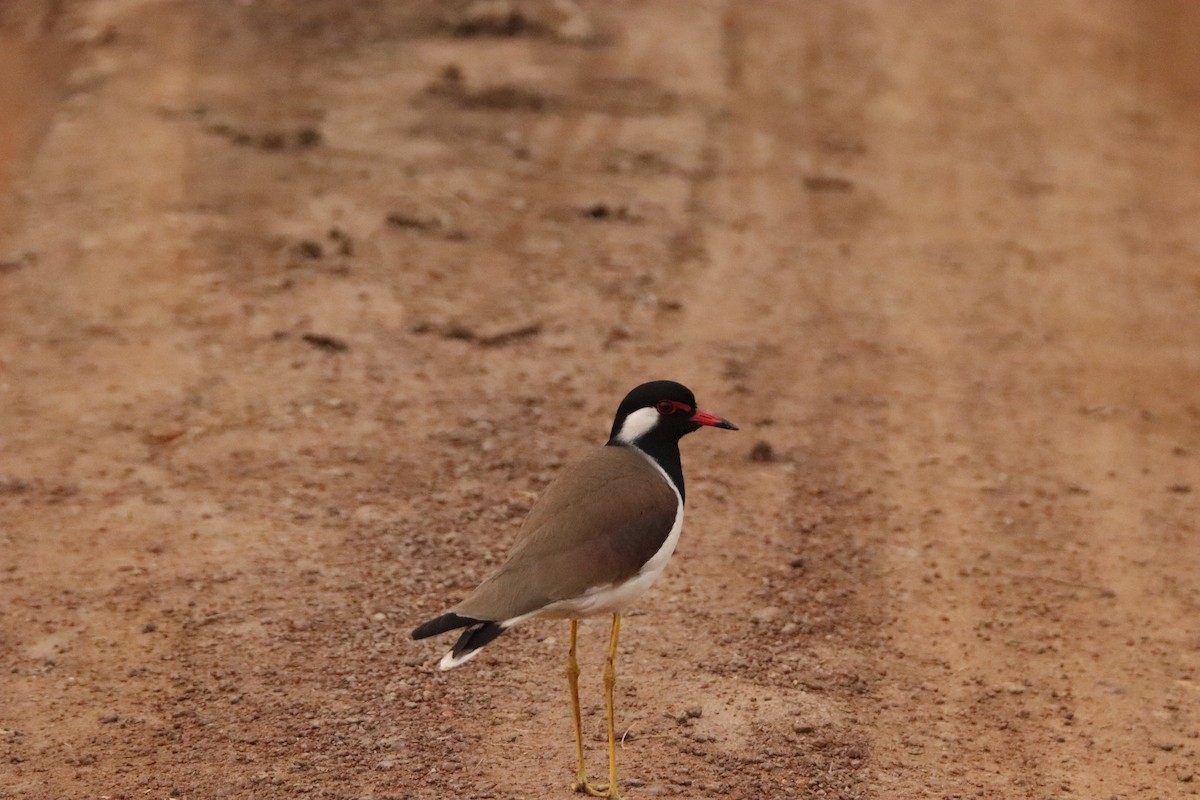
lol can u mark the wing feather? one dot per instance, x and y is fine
(596, 525)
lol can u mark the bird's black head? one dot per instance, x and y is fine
(660, 411)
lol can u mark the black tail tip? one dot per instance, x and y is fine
(471, 641)
(442, 624)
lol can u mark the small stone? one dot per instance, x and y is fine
(325, 342)
(149, 627)
(490, 18)
(575, 25)
(310, 249)
(109, 719)
(766, 615)
(272, 140)
(762, 453)
(618, 333)
(308, 137)
(695, 712)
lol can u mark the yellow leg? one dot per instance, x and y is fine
(581, 781)
(610, 680)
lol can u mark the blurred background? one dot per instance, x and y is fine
(303, 302)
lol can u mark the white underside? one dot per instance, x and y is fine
(609, 599)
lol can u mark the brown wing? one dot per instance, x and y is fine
(595, 525)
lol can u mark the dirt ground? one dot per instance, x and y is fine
(302, 303)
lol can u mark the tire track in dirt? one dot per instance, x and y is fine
(1004, 604)
(991, 617)
(91, 515)
(780, 324)
(944, 693)
(34, 60)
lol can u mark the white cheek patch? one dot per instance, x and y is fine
(637, 425)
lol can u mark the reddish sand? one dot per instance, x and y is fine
(302, 303)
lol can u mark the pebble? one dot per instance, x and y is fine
(766, 615)
(762, 453)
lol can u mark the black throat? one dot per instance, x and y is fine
(664, 450)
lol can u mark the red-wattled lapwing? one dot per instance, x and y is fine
(594, 542)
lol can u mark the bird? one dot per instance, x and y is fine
(593, 543)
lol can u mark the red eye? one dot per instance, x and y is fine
(665, 407)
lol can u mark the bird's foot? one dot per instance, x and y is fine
(586, 787)
(583, 786)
